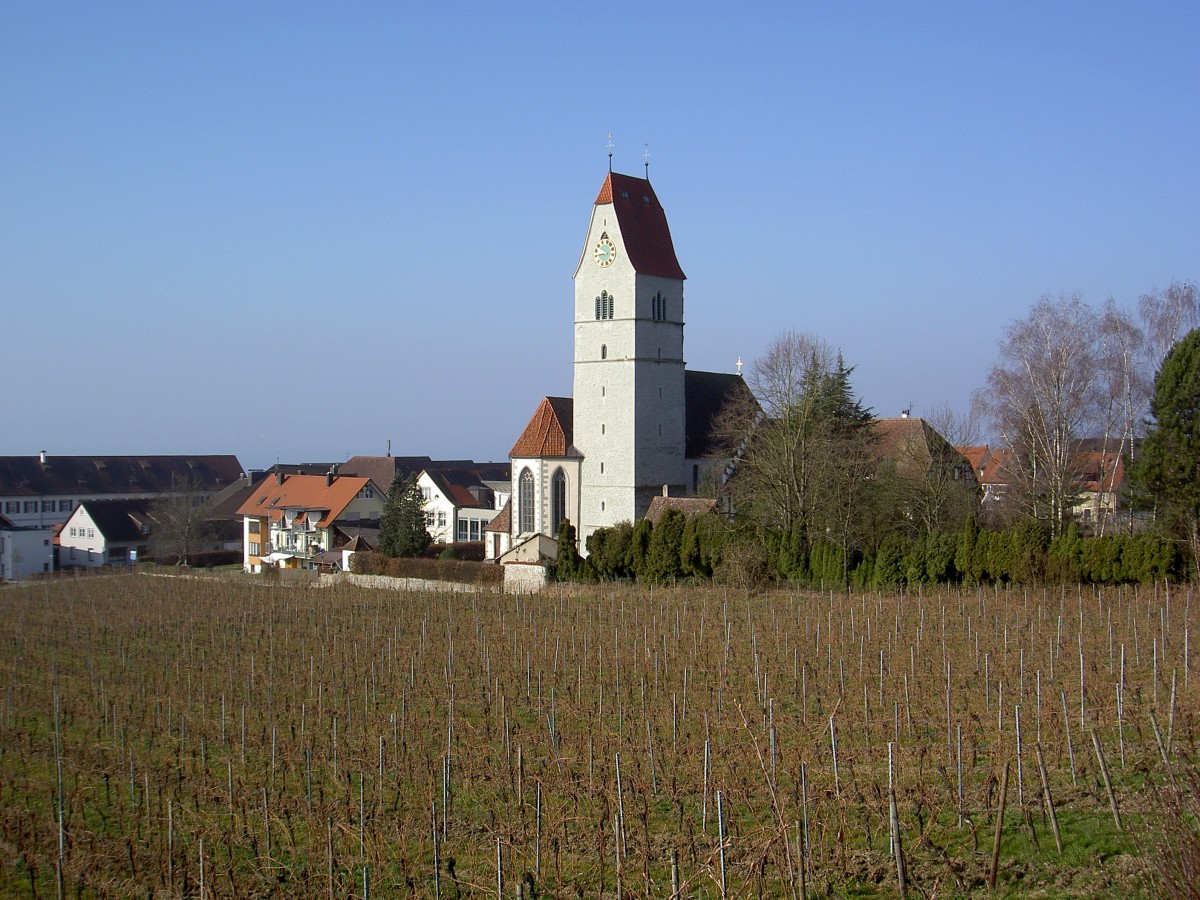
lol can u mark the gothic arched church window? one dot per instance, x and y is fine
(558, 499)
(525, 501)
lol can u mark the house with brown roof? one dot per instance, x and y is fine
(1099, 480)
(383, 469)
(686, 506)
(289, 521)
(637, 421)
(459, 503)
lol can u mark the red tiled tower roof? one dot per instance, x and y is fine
(549, 432)
(643, 224)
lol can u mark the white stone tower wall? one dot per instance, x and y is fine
(629, 403)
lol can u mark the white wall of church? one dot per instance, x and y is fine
(543, 471)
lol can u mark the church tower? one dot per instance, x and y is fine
(629, 403)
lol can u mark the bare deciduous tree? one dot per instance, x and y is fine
(803, 469)
(1041, 398)
(181, 526)
(958, 428)
(1125, 385)
(1167, 315)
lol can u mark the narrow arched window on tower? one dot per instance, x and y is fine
(525, 501)
(604, 351)
(604, 305)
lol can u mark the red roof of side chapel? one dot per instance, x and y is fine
(643, 224)
(549, 432)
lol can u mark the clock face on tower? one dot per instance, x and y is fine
(605, 252)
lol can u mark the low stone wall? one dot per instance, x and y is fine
(386, 582)
(519, 578)
(524, 578)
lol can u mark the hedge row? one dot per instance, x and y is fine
(201, 559)
(707, 547)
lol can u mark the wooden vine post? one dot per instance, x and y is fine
(999, 829)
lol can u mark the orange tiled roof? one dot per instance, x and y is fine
(549, 432)
(328, 494)
(996, 469)
(976, 456)
(643, 224)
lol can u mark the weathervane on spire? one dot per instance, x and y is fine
(610, 150)
(646, 160)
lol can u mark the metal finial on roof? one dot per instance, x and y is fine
(646, 159)
(610, 150)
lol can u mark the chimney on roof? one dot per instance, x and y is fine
(389, 448)
(666, 490)
(42, 456)
(279, 477)
(329, 478)
(904, 413)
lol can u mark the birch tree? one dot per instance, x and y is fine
(1166, 316)
(1041, 398)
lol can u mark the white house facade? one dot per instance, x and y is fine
(25, 550)
(106, 533)
(459, 500)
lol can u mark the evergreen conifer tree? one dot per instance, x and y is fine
(402, 529)
(568, 566)
(1169, 469)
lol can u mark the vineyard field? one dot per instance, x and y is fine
(239, 737)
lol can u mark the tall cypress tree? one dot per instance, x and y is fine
(402, 530)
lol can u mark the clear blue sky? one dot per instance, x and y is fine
(295, 231)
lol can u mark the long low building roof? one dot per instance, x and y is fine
(48, 475)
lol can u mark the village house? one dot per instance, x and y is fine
(461, 500)
(25, 550)
(289, 521)
(106, 533)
